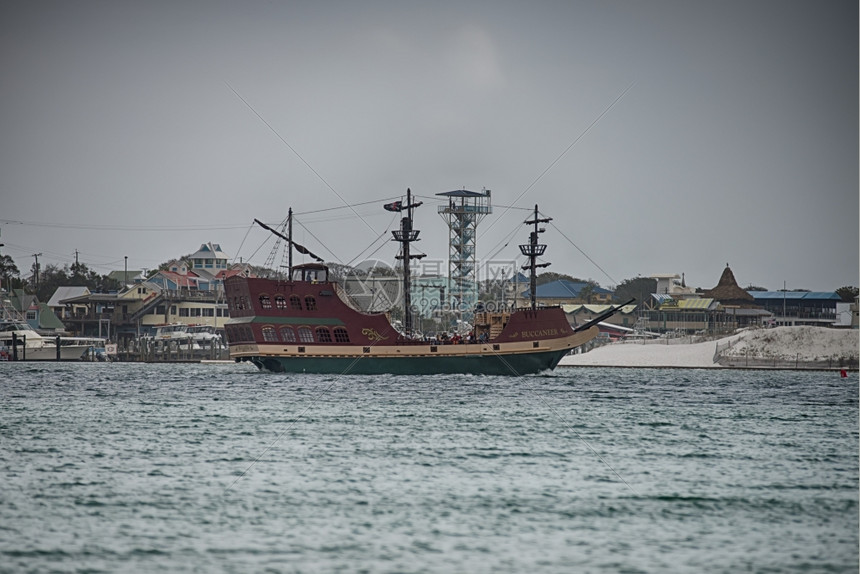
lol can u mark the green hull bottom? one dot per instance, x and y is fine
(504, 365)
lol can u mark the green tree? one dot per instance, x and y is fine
(549, 277)
(78, 272)
(9, 273)
(586, 294)
(52, 276)
(49, 278)
(848, 293)
(639, 288)
(337, 271)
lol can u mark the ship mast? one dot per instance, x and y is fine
(290, 244)
(533, 250)
(406, 235)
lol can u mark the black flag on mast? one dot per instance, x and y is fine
(395, 206)
(300, 248)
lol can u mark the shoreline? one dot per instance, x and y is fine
(715, 367)
(780, 348)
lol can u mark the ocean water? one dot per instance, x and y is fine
(221, 468)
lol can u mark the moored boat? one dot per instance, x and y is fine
(18, 336)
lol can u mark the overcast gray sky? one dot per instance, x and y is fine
(662, 136)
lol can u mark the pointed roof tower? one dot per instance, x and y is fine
(727, 291)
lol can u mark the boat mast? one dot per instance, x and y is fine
(289, 239)
(290, 244)
(406, 235)
(533, 250)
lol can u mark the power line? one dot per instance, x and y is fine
(614, 282)
(568, 148)
(296, 153)
(122, 227)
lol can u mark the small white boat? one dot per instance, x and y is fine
(33, 346)
(204, 336)
(170, 336)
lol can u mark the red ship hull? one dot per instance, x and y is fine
(305, 326)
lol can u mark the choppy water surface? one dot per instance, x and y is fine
(132, 467)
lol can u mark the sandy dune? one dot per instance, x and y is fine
(805, 343)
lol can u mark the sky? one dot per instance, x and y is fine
(660, 136)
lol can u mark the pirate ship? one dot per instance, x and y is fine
(305, 322)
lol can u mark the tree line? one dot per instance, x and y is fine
(43, 282)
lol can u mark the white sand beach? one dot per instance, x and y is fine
(790, 343)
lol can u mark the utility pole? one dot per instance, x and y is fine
(36, 256)
(1, 277)
(126, 270)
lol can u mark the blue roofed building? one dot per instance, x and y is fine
(566, 292)
(800, 307)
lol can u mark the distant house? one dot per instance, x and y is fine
(566, 292)
(673, 285)
(178, 266)
(38, 315)
(180, 281)
(800, 307)
(205, 270)
(209, 258)
(67, 311)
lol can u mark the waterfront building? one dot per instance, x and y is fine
(189, 292)
(683, 310)
(66, 312)
(685, 316)
(800, 307)
(739, 308)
